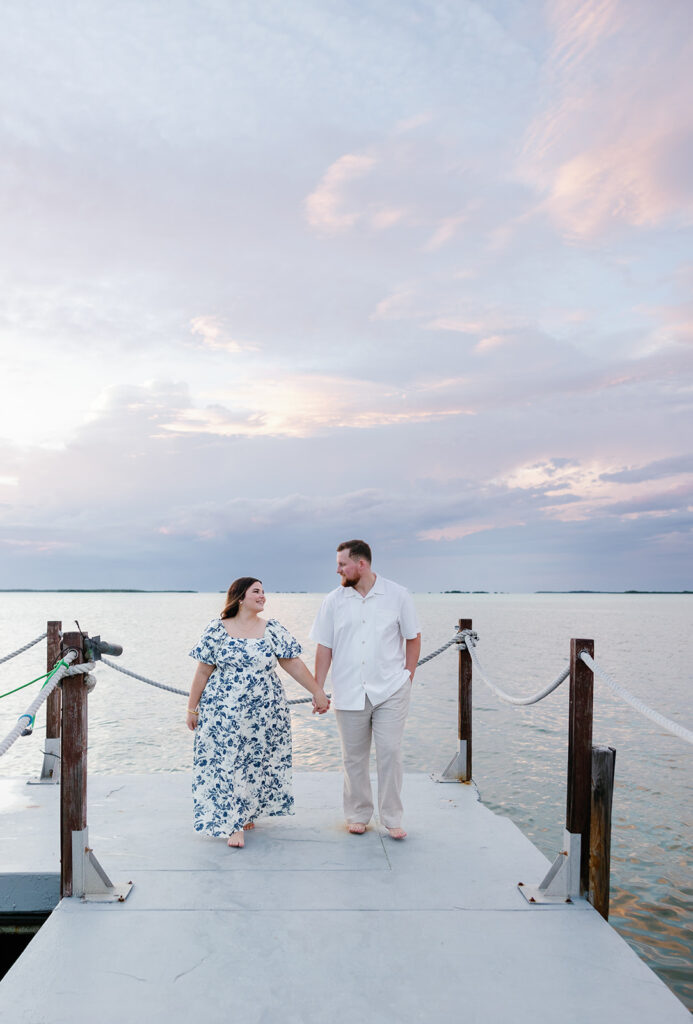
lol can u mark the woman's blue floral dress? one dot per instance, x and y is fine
(242, 760)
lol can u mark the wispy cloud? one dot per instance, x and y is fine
(656, 470)
(301, 405)
(213, 334)
(327, 208)
(610, 146)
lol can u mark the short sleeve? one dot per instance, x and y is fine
(408, 619)
(206, 649)
(322, 631)
(283, 643)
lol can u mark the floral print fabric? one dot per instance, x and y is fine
(242, 757)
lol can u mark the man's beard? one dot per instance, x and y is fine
(348, 583)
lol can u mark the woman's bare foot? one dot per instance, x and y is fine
(397, 833)
(236, 839)
(248, 825)
(357, 828)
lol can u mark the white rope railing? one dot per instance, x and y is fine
(171, 689)
(470, 640)
(143, 679)
(20, 650)
(635, 702)
(297, 700)
(25, 722)
(439, 650)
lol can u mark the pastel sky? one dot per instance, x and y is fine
(275, 275)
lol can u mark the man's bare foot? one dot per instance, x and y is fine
(357, 828)
(236, 839)
(396, 833)
(248, 825)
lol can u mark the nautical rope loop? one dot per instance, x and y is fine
(470, 639)
(25, 722)
(20, 650)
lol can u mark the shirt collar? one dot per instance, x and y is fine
(377, 588)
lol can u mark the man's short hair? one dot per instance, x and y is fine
(357, 549)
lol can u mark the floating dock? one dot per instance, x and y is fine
(307, 924)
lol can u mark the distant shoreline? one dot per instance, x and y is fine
(616, 593)
(135, 590)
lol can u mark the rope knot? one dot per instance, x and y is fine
(464, 636)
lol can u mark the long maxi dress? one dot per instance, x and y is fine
(242, 755)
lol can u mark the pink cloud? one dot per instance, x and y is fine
(612, 146)
(326, 207)
(456, 531)
(213, 334)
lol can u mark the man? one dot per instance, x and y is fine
(368, 630)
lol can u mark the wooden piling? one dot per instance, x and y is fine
(579, 790)
(73, 777)
(464, 704)
(603, 766)
(53, 637)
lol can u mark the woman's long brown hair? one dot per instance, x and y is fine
(235, 595)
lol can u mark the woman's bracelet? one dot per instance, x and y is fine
(193, 712)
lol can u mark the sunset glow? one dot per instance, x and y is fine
(417, 274)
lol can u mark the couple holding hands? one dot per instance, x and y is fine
(367, 630)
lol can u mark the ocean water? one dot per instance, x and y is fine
(644, 641)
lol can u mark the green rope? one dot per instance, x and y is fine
(46, 675)
(24, 685)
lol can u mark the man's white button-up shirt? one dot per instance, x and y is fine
(366, 636)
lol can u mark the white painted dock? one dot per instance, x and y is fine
(308, 924)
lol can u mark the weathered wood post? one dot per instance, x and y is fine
(464, 704)
(459, 768)
(579, 796)
(73, 780)
(50, 772)
(603, 767)
(81, 874)
(569, 875)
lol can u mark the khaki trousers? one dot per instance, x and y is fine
(385, 723)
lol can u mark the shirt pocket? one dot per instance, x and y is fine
(387, 621)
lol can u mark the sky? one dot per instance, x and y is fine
(275, 276)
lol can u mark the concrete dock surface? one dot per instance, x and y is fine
(307, 924)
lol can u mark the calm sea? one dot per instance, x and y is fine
(645, 642)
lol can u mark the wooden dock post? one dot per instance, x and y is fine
(579, 795)
(459, 768)
(603, 766)
(73, 780)
(464, 718)
(81, 874)
(50, 772)
(569, 875)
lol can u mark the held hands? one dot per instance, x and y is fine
(321, 702)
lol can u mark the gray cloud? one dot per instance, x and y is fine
(456, 366)
(653, 470)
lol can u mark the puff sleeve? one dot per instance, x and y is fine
(283, 643)
(205, 650)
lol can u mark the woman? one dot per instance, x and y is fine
(238, 709)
